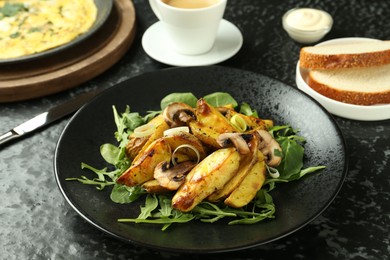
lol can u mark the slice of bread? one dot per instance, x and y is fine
(360, 86)
(342, 55)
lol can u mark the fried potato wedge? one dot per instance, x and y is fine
(142, 168)
(205, 134)
(252, 123)
(208, 176)
(209, 124)
(185, 138)
(243, 170)
(246, 165)
(210, 116)
(251, 184)
(255, 123)
(137, 145)
(154, 187)
(134, 146)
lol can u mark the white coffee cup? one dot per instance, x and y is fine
(190, 31)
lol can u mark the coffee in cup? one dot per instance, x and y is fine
(190, 3)
(190, 26)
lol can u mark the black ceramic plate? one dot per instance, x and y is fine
(104, 9)
(297, 203)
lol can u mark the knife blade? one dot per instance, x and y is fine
(48, 117)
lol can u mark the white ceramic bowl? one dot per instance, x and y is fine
(307, 36)
(350, 111)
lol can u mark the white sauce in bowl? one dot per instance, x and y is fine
(307, 25)
(308, 19)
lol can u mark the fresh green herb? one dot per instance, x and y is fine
(247, 110)
(22, 22)
(123, 194)
(187, 98)
(157, 208)
(15, 35)
(219, 99)
(100, 182)
(216, 99)
(11, 9)
(34, 29)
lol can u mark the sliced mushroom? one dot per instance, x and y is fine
(172, 176)
(237, 140)
(267, 146)
(178, 114)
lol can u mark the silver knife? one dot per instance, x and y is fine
(48, 117)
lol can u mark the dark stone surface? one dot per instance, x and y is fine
(37, 223)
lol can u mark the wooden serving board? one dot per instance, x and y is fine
(71, 67)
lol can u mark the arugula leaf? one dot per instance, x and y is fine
(292, 150)
(263, 208)
(111, 153)
(158, 210)
(247, 110)
(165, 206)
(98, 183)
(178, 217)
(205, 210)
(151, 203)
(126, 123)
(219, 99)
(102, 173)
(132, 120)
(150, 116)
(166, 215)
(187, 98)
(292, 160)
(304, 172)
(123, 194)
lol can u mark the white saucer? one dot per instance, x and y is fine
(350, 111)
(228, 42)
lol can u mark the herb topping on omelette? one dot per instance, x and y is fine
(33, 26)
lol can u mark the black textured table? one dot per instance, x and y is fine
(37, 223)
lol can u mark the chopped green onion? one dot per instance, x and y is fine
(185, 146)
(273, 172)
(176, 131)
(238, 122)
(144, 130)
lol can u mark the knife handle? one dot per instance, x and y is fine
(7, 137)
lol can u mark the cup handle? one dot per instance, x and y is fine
(153, 5)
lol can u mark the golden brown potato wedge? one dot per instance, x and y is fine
(208, 176)
(137, 145)
(154, 187)
(209, 124)
(185, 138)
(142, 168)
(205, 134)
(253, 123)
(211, 117)
(246, 164)
(246, 191)
(134, 146)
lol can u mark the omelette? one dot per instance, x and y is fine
(32, 26)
